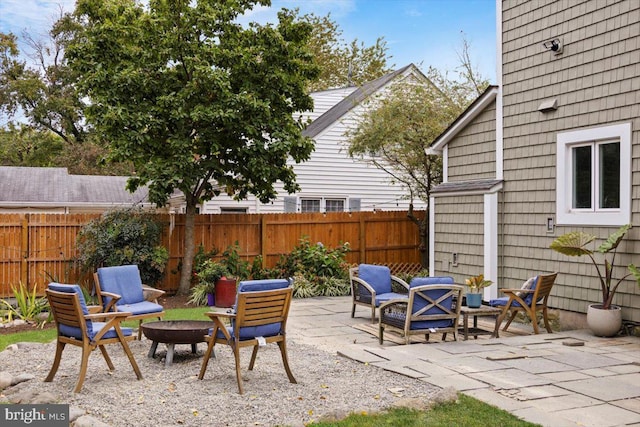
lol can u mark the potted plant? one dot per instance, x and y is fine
(604, 318)
(476, 284)
(208, 275)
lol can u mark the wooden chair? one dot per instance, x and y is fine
(430, 308)
(77, 327)
(371, 285)
(120, 288)
(529, 301)
(260, 317)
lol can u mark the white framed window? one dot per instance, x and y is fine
(233, 210)
(593, 176)
(321, 204)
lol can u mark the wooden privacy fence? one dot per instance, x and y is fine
(38, 248)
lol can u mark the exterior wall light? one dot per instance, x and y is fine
(554, 46)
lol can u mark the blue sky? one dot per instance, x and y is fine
(423, 32)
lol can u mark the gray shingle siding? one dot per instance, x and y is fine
(596, 81)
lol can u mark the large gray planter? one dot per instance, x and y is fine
(604, 323)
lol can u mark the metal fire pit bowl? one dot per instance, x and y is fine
(172, 332)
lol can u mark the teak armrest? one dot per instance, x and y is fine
(107, 315)
(218, 314)
(525, 291)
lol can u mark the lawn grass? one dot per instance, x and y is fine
(467, 412)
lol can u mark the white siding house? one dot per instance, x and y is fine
(331, 180)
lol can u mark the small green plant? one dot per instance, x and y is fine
(237, 267)
(28, 305)
(210, 272)
(476, 283)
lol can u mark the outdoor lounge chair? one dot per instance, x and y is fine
(77, 327)
(371, 285)
(259, 318)
(433, 306)
(527, 300)
(120, 288)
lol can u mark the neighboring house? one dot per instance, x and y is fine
(330, 180)
(53, 190)
(555, 147)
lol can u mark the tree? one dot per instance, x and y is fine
(396, 132)
(343, 64)
(197, 102)
(45, 95)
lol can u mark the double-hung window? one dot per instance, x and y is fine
(321, 204)
(594, 176)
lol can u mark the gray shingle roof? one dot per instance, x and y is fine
(480, 186)
(56, 187)
(344, 106)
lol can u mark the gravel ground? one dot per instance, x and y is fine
(328, 386)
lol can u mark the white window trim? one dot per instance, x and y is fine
(565, 215)
(323, 201)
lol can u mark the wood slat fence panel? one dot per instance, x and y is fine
(36, 248)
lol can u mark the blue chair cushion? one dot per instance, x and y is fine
(250, 332)
(144, 307)
(434, 280)
(123, 280)
(502, 301)
(419, 303)
(262, 285)
(378, 276)
(388, 297)
(73, 331)
(111, 333)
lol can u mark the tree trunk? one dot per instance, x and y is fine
(423, 232)
(189, 250)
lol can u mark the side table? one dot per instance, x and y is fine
(484, 310)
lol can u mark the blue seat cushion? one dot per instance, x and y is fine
(123, 280)
(377, 276)
(502, 301)
(434, 280)
(144, 307)
(419, 303)
(250, 332)
(262, 285)
(388, 297)
(73, 331)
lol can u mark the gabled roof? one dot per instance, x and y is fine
(351, 101)
(472, 111)
(31, 186)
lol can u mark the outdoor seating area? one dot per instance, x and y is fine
(371, 285)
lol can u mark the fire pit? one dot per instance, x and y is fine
(172, 332)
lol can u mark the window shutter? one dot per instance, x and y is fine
(354, 205)
(290, 204)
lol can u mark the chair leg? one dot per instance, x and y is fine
(380, 334)
(103, 350)
(236, 355)
(444, 336)
(534, 321)
(207, 355)
(373, 314)
(127, 350)
(512, 315)
(86, 351)
(254, 353)
(140, 330)
(353, 310)
(56, 362)
(546, 320)
(285, 360)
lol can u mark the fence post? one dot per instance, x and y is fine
(363, 240)
(263, 239)
(24, 251)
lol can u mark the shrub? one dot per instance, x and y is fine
(120, 237)
(28, 305)
(316, 269)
